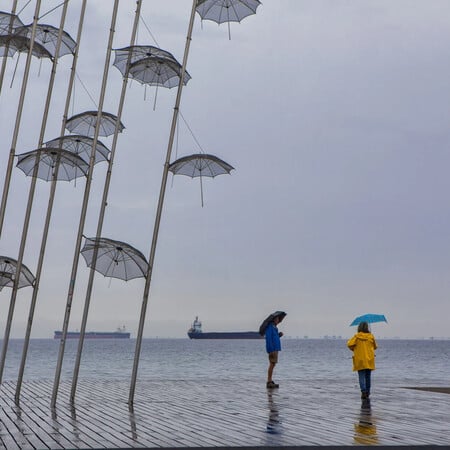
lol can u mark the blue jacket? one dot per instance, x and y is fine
(273, 343)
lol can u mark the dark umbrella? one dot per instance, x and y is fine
(200, 165)
(270, 318)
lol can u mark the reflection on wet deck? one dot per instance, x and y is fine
(221, 413)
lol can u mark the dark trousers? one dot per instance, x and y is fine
(364, 380)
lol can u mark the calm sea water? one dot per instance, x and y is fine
(399, 362)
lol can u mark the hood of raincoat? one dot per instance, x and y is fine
(364, 336)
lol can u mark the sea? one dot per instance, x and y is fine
(398, 362)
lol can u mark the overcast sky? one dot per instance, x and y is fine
(335, 115)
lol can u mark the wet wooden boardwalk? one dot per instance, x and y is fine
(220, 414)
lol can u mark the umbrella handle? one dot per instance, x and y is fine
(201, 188)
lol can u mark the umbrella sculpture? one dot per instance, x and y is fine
(268, 319)
(195, 5)
(221, 11)
(369, 318)
(81, 146)
(8, 22)
(6, 279)
(150, 66)
(47, 37)
(84, 123)
(71, 166)
(157, 71)
(135, 53)
(114, 259)
(8, 269)
(200, 165)
(12, 43)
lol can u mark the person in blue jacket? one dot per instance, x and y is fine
(273, 346)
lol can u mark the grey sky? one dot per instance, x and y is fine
(335, 115)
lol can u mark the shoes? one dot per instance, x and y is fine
(272, 385)
(364, 395)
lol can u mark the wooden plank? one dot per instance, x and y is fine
(214, 414)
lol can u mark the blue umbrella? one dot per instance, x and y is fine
(369, 318)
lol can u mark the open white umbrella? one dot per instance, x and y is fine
(200, 165)
(81, 146)
(221, 11)
(71, 166)
(84, 123)
(114, 259)
(8, 273)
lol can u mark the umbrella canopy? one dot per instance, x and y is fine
(47, 37)
(12, 43)
(200, 165)
(84, 123)
(115, 259)
(71, 166)
(157, 71)
(81, 146)
(221, 11)
(135, 53)
(6, 279)
(270, 318)
(8, 270)
(8, 22)
(369, 318)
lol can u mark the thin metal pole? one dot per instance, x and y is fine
(8, 176)
(33, 188)
(83, 212)
(18, 120)
(103, 209)
(159, 210)
(5, 56)
(49, 211)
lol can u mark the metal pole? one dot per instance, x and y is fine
(18, 119)
(5, 56)
(73, 275)
(11, 160)
(102, 209)
(159, 210)
(32, 189)
(49, 212)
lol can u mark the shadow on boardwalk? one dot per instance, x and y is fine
(212, 414)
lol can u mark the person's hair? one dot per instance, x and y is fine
(363, 327)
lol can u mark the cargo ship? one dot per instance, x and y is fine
(196, 332)
(120, 333)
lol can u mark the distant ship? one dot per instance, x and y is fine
(195, 332)
(120, 333)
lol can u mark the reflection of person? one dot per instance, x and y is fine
(363, 345)
(273, 423)
(365, 429)
(273, 346)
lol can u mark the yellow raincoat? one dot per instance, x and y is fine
(363, 346)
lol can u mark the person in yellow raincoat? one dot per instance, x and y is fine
(363, 346)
